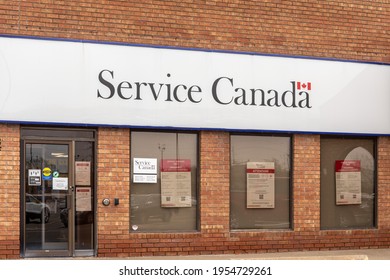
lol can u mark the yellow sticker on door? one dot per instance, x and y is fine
(46, 172)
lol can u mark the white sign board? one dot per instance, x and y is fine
(34, 177)
(145, 170)
(53, 81)
(60, 183)
(145, 166)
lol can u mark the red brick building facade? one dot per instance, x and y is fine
(340, 30)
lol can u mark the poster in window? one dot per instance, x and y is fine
(34, 177)
(145, 166)
(348, 182)
(83, 173)
(60, 184)
(145, 170)
(176, 183)
(260, 178)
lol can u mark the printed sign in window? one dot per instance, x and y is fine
(60, 184)
(260, 183)
(145, 166)
(145, 170)
(34, 177)
(83, 173)
(83, 199)
(176, 183)
(348, 182)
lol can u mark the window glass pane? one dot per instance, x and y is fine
(44, 200)
(347, 183)
(84, 183)
(168, 201)
(260, 182)
(57, 133)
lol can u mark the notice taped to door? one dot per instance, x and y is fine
(34, 177)
(348, 182)
(83, 199)
(260, 185)
(60, 184)
(83, 173)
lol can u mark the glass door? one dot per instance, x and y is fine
(48, 198)
(58, 187)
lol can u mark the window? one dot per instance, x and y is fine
(347, 183)
(164, 181)
(260, 182)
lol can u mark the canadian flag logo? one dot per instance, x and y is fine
(303, 86)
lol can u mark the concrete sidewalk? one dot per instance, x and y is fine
(361, 254)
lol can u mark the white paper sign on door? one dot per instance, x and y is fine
(60, 183)
(83, 173)
(83, 199)
(34, 177)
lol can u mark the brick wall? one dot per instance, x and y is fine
(384, 183)
(113, 171)
(350, 29)
(306, 182)
(214, 190)
(9, 191)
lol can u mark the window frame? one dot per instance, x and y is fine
(374, 139)
(290, 184)
(197, 177)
